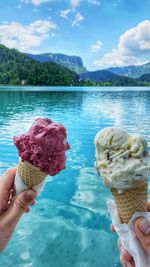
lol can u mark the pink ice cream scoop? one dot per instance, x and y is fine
(44, 146)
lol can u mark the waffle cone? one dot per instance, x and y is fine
(29, 174)
(130, 201)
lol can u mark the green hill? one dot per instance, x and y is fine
(18, 69)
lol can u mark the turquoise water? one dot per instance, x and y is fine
(69, 225)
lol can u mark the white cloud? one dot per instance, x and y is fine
(78, 18)
(96, 47)
(94, 2)
(34, 2)
(74, 3)
(24, 1)
(38, 2)
(64, 13)
(25, 37)
(71, 14)
(133, 48)
(136, 39)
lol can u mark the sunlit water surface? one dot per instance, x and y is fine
(69, 225)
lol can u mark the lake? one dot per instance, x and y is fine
(69, 225)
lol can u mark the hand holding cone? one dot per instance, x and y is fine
(123, 163)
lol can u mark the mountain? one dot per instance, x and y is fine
(17, 68)
(98, 75)
(144, 78)
(106, 76)
(73, 63)
(131, 71)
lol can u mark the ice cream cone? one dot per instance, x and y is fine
(131, 201)
(29, 174)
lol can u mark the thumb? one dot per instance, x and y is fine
(142, 230)
(21, 202)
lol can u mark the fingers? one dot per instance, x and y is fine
(142, 230)
(125, 258)
(124, 253)
(6, 184)
(33, 203)
(20, 205)
(112, 228)
(10, 218)
(8, 179)
(127, 263)
(27, 210)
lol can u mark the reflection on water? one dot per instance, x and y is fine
(69, 226)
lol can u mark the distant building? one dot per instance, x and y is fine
(23, 82)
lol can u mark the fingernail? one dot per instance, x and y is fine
(144, 226)
(129, 264)
(122, 251)
(30, 195)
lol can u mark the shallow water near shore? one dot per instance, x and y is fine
(69, 225)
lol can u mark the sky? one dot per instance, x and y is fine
(104, 33)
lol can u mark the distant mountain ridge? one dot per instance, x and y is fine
(18, 68)
(73, 63)
(106, 76)
(98, 75)
(131, 71)
(144, 78)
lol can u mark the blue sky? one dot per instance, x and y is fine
(103, 33)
